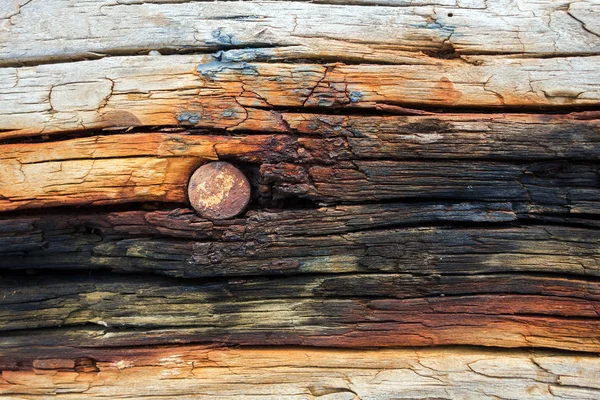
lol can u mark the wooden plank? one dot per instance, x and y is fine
(329, 240)
(295, 373)
(454, 136)
(297, 29)
(568, 187)
(109, 170)
(330, 311)
(326, 159)
(205, 91)
(424, 173)
(444, 135)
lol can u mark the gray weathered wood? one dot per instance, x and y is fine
(340, 31)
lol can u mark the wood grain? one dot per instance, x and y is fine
(108, 170)
(323, 311)
(379, 31)
(299, 373)
(423, 172)
(212, 91)
(328, 160)
(390, 238)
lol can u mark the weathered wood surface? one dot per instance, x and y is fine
(406, 284)
(222, 92)
(546, 162)
(303, 373)
(336, 311)
(339, 30)
(343, 239)
(423, 173)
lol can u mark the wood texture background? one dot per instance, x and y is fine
(190, 372)
(425, 184)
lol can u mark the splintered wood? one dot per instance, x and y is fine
(423, 217)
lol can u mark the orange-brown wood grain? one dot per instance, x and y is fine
(419, 175)
(315, 157)
(115, 169)
(199, 90)
(294, 373)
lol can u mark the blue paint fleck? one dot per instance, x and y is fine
(444, 30)
(355, 97)
(188, 118)
(220, 55)
(221, 38)
(229, 113)
(211, 69)
(325, 102)
(248, 69)
(240, 55)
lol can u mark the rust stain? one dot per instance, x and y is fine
(444, 92)
(218, 190)
(119, 118)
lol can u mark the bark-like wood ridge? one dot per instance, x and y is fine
(425, 190)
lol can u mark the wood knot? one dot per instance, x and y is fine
(218, 190)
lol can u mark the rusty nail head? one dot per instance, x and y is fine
(218, 190)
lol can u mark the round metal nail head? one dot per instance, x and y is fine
(218, 190)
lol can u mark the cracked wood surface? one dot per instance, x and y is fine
(343, 239)
(226, 93)
(389, 33)
(189, 372)
(424, 173)
(326, 311)
(545, 163)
